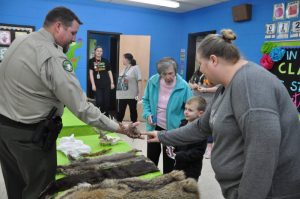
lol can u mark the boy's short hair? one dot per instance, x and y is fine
(201, 102)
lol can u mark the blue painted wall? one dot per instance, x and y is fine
(250, 34)
(165, 28)
(168, 31)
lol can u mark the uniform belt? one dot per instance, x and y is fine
(8, 122)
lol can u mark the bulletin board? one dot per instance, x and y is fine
(9, 32)
(283, 60)
(281, 49)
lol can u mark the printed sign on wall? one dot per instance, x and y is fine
(295, 29)
(270, 31)
(288, 70)
(278, 11)
(292, 9)
(283, 30)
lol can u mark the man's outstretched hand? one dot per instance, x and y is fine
(130, 130)
(152, 136)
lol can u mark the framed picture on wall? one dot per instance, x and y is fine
(295, 29)
(278, 11)
(292, 9)
(9, 32)
(283, 30)
(5, 38)
(270, 31)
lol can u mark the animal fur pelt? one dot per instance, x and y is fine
(98, 153)
(129, 168)
(88, 155)
(172, 185)
(98, 160)
(86, 167)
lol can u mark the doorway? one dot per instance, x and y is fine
(194, 40)
(109, 41)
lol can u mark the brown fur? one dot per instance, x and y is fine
(172, 185)
(133, 167)
(99, 153)
(98, 160)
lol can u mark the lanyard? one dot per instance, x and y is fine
(126, 70)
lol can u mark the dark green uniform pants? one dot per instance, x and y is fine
(27, 169)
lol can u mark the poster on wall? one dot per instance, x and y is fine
(5, 38)
(278, 11)
(9, 32)
(283, 30)
(182, 58)
(292, 9)
(270, 31)
(288, 71)
(295, 29)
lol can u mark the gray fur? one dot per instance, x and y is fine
(98, 160)
(172, 185)
(87, 166)
(130, 168)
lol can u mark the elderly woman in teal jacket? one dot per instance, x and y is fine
(163, 104)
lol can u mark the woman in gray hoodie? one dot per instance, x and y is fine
(254, 124)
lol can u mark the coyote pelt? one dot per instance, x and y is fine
(130, 168)
(172, 185)
(87, 167)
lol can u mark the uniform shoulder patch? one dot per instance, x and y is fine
(67, 65)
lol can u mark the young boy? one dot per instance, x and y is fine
(189, 157)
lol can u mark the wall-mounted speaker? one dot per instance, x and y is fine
(242, 12)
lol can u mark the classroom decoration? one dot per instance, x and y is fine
(270, 31)
(278, 11)
(182, 61)
(277, 53)
(295, 29)
(283, 30)
(292, 9)
(281, 51)
(267, 47)
(286, 66)
(9, 32)
(285, 23)
(266, 62)
(71, 53)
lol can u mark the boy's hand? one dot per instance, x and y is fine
(152, 136)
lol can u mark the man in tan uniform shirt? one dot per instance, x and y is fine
(35, 76)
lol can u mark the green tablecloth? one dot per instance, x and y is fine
(72, 125)
(83, 132)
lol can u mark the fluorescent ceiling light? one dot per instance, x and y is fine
(165, 3)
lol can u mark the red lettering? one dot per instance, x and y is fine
(296, 99)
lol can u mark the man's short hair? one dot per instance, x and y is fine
(62, 14)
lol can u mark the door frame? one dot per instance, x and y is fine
(191, 52)
(89, 32)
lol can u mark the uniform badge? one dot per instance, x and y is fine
(67, 65)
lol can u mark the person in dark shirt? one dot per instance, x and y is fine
(101, 79)
(189, 157)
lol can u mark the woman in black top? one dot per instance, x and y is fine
(101, 79)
